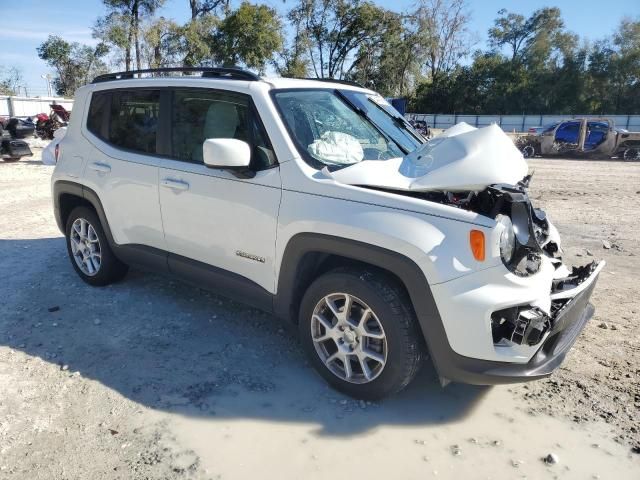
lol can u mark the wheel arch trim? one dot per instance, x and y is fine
(65, 187)
(405, 269)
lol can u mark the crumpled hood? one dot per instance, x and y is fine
(462, 158)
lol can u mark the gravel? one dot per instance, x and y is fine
(199, 387)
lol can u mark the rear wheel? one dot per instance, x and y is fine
(359, 331)
(631, 154)
(89, 250)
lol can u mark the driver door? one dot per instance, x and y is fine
(214, 220)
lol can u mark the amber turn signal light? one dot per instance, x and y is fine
(476, 242)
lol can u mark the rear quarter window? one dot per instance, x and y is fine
(98, 114)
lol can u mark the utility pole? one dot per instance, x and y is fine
(47, 78)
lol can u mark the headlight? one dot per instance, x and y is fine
(507, 238)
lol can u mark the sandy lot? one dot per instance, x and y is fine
(153, 379)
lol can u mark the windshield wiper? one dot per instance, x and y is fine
(400, 122)
(361, 111)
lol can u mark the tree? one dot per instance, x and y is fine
(10, 80)
(520, 34)
(293, 60)
(75, 64)
(162, 45)
(200, 8)
(198, 38)
(121, 26)
(444, 34)
(614, 71)
(250, 35)
(390, 62)
(334, 30)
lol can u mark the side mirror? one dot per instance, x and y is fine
(226, 153)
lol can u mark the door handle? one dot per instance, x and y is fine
(100, 167)
(175, 184)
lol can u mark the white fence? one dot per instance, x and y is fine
(518, 123)
(30, 106)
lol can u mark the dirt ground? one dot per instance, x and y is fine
(154, 379)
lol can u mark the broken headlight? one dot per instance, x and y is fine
(507, 238)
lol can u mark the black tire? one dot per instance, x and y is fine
(111, 269)
(631, 154)
(393, 309)
(11, 159)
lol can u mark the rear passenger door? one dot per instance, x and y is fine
(123, 126)
(213, 216)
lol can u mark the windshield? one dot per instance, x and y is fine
(339, 127)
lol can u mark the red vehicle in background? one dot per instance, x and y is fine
(47, 124)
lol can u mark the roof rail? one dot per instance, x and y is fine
(229, 73)
(334, 80)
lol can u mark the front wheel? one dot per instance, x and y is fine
(89, 250)
(359, 331)
(528, 151)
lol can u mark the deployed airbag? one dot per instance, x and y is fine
(337, 148)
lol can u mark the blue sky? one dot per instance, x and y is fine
(24, 24)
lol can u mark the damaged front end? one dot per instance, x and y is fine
(480, 170)
(527, 239)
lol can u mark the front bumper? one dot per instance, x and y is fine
(569, 321)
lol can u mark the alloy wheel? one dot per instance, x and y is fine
(85, 247)
(349, 338)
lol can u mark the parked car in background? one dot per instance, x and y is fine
(582, 137)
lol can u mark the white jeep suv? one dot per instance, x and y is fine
(317, 201)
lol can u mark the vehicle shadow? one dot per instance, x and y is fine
(176, 348)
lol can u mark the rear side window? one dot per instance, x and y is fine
(133, 120)
(97, 120)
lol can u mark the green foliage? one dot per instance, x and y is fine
(250, 35)
(545, 70)
(333, 30)
(75, 64)
(197, 38)
(121, 27)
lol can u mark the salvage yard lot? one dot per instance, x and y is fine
(151, 378)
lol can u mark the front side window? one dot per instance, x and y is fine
(330, 130)
(200, 114)
(133, 123)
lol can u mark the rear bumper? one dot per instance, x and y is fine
(568, 324)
